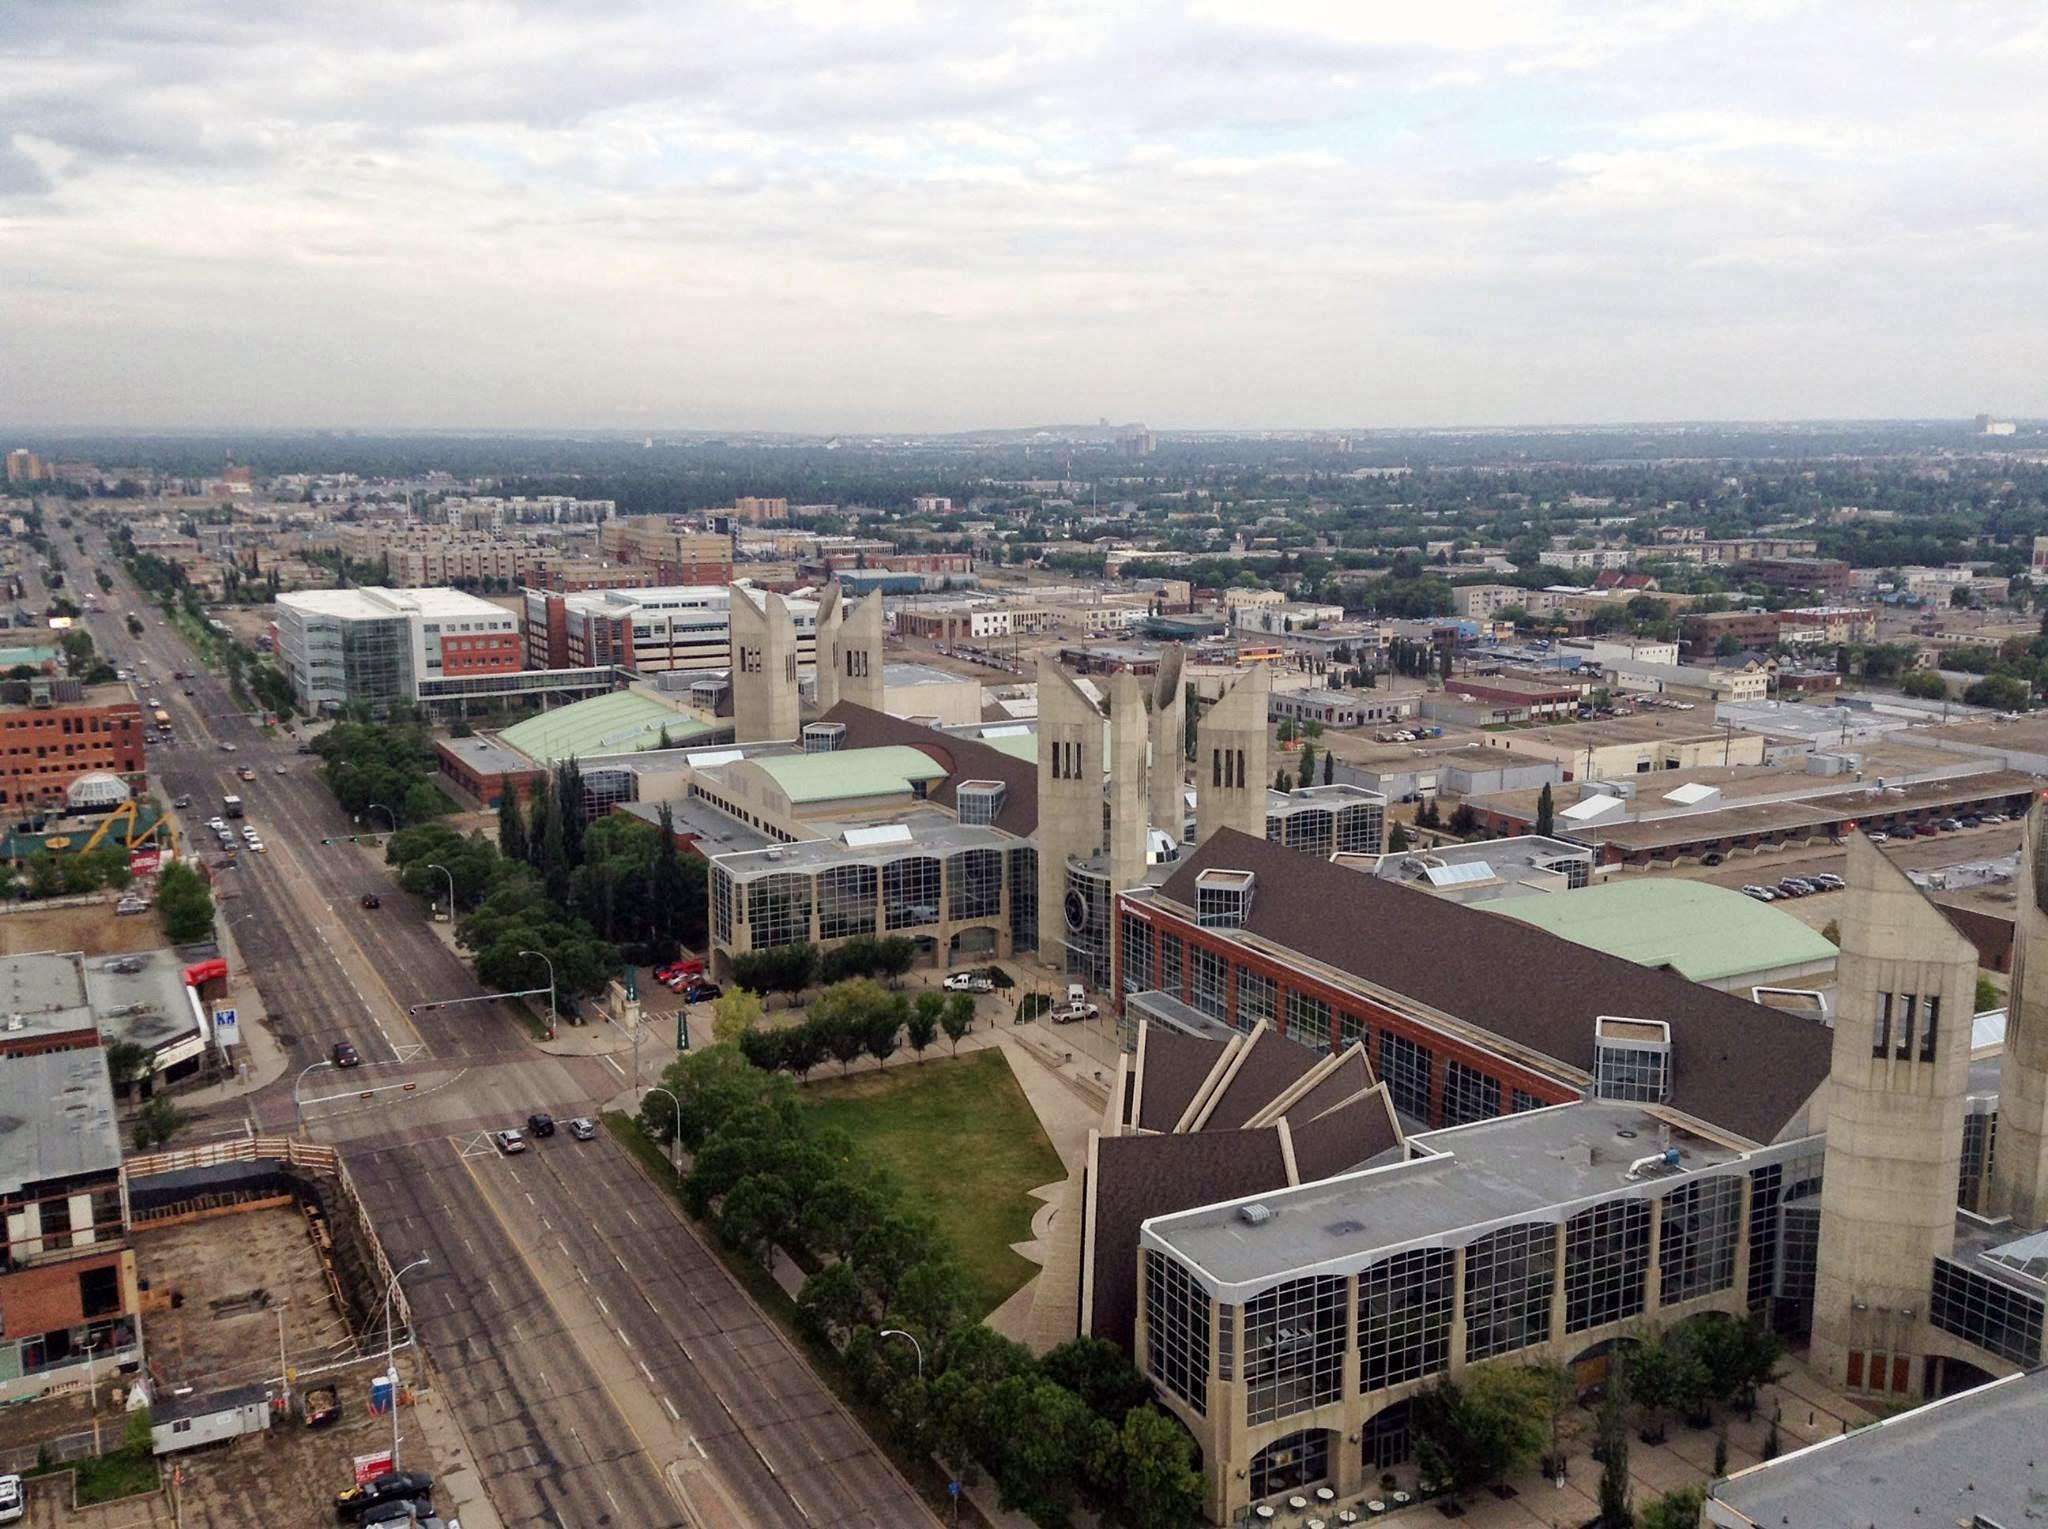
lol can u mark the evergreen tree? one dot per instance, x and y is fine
(511, 825)
(1307, 776)
(1329, 767)
(540, 811)
(569, 809)
(1613, 1438)
(666, 889)
(1397, 839)
(1281, 782)
(1546, 812)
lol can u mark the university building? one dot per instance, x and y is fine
(1362, 1138)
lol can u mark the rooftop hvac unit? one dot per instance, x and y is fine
(1255, 1214)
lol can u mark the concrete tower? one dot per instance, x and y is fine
(857, 651)
(1895, 1095)
(826, 676)
(1069, 797)
(1169, 744)
(2019, 1166)
(764, 696)
(1129, 738)
(1230, 759)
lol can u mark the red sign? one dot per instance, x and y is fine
(145, 862)
(369, 1467)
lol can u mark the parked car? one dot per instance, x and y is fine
(1994, 817)
(1949, 825)
(370, 900)
(12, 1503)
(1878, 836)
(968, 982)
(509, 1141)
(1072, 1013)
(1828, 881)
(702, 992)
(392, 1487)
(582, 1129)
(1925, 830)
(540, 1123)
(1713, 859)
(132, 904)
(1761, 894)
(182, 802)
(345, 1055)
(398, 1511)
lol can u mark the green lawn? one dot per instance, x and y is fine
(962, 1137)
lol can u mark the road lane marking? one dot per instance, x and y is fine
(615, 1067)
(675, 1417)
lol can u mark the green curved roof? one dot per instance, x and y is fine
(1703, 932)
(844, 774)
(619, 723)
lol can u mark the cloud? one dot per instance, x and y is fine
(829, 215)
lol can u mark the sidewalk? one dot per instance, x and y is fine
(261, 1058)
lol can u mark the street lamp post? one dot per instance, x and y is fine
(542, 955)
(380, 807)
(451, 887)
(675, 1134)
(92, 1383)
(391, 1350)
(298, 1117)
(897, 1332)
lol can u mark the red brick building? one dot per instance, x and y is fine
(1251, 933)
(43, 749)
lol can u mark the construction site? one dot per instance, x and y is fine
(263, 1305)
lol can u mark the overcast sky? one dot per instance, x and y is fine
(875, 215)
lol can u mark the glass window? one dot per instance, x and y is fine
(779, 909)
(1520, 1101)
(1978, 1134)
(1023, 897)
(1170, 957)
(1294, 1347)
(1207, 992)
(1930, 1020)
(1765, 1186)
(1696, 1246)
(1986, 1312)
(1255, 1000)
(1606, 1256)
(1404, 1317)
(1906, 1012)
(1352, 1029)
(1469, 1094)
(1136, 954)
(910, 891)
(1308, 1020)
(1406, 1066)
(1177, 1329)
(1508, 1275)
(1881, 1031)
(722, 899)
(846, 901)
(974, 884)
(1299, 1460)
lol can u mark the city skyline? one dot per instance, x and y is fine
(924, 219)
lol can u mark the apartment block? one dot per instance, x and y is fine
(677, 557)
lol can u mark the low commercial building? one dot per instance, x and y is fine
(1735, 812)
(63, 731)
(378, 647)
(67, 1273)
(1689, 682)
(482, 768)
(1491, 700)
(1703, 635)
(1622, 747)
(1330, 708)
(1824, 576)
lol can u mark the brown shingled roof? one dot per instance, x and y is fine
(961, 758)
(1351, 1075)
(1176, 1067)
(1345, 1137)
(1139, 1177)
(1735, 1064)
(1274, 1065)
